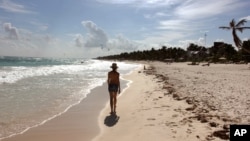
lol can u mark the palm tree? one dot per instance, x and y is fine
(237, 27)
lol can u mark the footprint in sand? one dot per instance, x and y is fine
(149, 125)
(151, 119)
(175, 115)
(185, 121)
(189, 131)
(171, 124)
(174, 131)
(155, 99)
(177, 110)
(165, 106)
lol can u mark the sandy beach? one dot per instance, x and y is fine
(162, 102)
(180, 102)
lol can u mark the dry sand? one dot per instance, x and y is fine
(180, 102)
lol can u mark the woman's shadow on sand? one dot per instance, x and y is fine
(111, 120)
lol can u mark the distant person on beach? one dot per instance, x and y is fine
(113, 87)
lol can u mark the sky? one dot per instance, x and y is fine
(92, 28)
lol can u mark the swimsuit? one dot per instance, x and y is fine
(113, 88)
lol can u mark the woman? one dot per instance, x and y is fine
(113, 87)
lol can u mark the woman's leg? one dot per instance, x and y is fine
(111, 101)
(115, 100)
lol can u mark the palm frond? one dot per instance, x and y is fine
(225, 27)
(241, 22)
(241, 28)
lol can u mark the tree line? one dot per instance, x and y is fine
(218, 52)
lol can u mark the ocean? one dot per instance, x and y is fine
(35, 90)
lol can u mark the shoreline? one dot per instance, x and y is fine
(68, 126)
(50, 118)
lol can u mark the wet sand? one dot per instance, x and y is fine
(79, 123)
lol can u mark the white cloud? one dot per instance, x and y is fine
(179, 24)
(158, 3)
(121, 43)
(156, 15)
(12, 31)
(185, 9)
(245, 39)
(39, 45)
(10, 6)
(188, 17)
(143, 3)
(160, 14)
(118, 1)
(40, 26)
(247, 18)
(197, 9)
(219, 40)
(185, 43)
(173, 24)
(192, 16)
(96, 36)
(166, 37)
(45, 45)
(97, 43)
(31, 44)
(79, 40)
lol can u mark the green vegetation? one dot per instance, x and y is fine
(218, 52)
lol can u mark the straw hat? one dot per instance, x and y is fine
(114, 66)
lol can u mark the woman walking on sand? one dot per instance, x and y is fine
(113, 87)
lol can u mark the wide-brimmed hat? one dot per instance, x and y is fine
(114, 65)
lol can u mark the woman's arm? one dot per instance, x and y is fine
(119, 87)
(108, 80)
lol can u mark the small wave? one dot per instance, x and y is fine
(36, 61)
(14, 73)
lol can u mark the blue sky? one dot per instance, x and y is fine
(91, 28)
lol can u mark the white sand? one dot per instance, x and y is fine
(155, 106)
(224, 86)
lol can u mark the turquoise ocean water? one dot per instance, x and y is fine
(35, 90)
